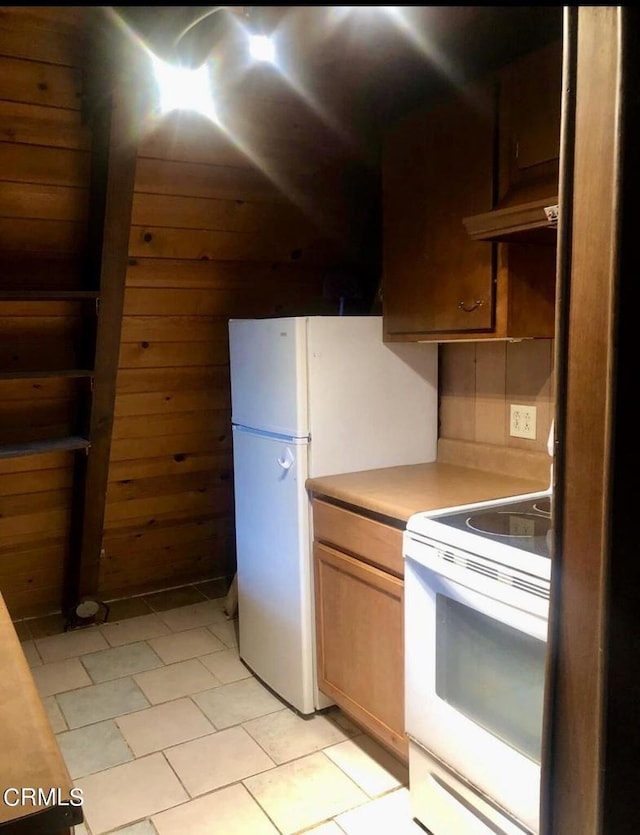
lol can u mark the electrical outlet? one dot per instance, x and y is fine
(523, 422)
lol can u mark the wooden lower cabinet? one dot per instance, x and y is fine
(360, 643)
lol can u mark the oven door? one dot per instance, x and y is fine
(474, 676)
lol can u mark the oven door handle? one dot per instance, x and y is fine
(477, 592)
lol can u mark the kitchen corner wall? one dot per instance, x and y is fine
(479, 381)
(216, 232)
(214, 235)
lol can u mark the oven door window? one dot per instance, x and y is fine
(491, 673)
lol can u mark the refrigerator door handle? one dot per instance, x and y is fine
(286, 460)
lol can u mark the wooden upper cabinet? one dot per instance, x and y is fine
(438, 166)
(529, 126)
(449, 171)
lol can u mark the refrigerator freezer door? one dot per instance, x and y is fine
(274, 565)
(371, 404)
(269, 374)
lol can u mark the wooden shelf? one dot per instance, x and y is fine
(38, 373)
(47, 295)
(52, 302)
(525, 222)
(39, 447)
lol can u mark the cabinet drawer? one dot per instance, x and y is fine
(373, 541)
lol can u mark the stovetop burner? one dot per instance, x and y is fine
(509, 523)
(543, 506)
(523, 524)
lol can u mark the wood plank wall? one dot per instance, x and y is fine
(479, 381)
(247, 221)
(213, 236)
(259, 218)
(44, 165)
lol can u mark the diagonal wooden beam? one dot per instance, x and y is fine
(113, 104)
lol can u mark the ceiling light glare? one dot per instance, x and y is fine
(182, 88)
(262, 48)
(340, 14)
(345, 10)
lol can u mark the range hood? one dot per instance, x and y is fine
(534, 222)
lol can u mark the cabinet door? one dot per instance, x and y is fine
(360, 643)
(438, 168)
(530, 101)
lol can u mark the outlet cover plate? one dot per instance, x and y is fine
(522, 423)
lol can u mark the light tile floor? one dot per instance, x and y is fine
(168, 733)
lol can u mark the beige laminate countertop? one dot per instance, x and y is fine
(398, 492)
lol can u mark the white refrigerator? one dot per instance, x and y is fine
(310, 396)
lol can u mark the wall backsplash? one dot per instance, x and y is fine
(479, 381)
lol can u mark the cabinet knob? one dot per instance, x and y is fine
(478, 303)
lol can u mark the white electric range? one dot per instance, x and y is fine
(477, 581)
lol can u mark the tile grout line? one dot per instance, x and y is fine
(35, 646)
(364, 791)
(127, 713)
(351, 780)
(106, 768)
(162, 665)
(240, 724)
(64, 718)
(150, 704)
(368, 798)
(184, 695)
(26, 622)
(260, 806)
(217, 730)
(192, 799)
(179, 779)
